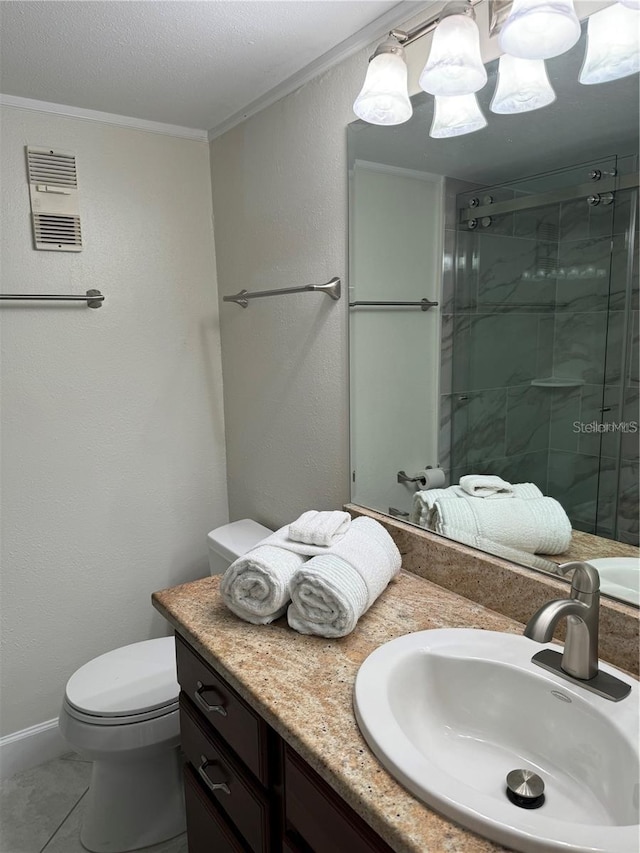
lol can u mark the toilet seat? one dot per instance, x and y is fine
(128, 685)
(120, 720)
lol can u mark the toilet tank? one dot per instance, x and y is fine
(231, 541)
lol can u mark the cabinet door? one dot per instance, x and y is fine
(207, 830)
(320, 817)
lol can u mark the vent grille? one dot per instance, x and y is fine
(53, 231)
(51, 167)
(53, 190)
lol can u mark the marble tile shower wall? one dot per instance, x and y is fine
(527, 298)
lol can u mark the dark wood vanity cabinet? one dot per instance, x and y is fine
(247, 791)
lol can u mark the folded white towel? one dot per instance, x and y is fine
(491, 487)
(526, 491)
(320, 528)
(485, 486)
(281, 539)
(256, 586)
(330, 592)
(536, 525)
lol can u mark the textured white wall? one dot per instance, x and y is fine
(113, 466)
(280, 212)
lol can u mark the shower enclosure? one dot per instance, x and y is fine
(540, 339)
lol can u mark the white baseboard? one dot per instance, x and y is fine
(30, 747)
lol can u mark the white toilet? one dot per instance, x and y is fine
(120, 710)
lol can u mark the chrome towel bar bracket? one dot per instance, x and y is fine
(93, 298)
(332, 288)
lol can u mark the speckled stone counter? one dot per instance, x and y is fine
(303, 686)
(586, 546)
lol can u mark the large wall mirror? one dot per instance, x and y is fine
(525, 234)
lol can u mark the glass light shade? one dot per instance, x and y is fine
(523, 85)
(384, 98)
(613, 45)
(456, 115)
(540, 29)
(454, 66)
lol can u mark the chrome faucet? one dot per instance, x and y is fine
(579, 661)
(580, 658)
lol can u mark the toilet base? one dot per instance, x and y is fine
(133, 804)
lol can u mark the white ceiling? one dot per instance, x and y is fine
(179, 62)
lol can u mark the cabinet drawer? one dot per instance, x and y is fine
(322, 819)
(238, 724)
(207, 830)
(239, 796)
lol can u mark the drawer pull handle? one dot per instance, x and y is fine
(219, 709)
(211, 785)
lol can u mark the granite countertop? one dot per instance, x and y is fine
(586, 546)
(302, 686)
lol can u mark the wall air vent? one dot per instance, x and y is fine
(53, 187)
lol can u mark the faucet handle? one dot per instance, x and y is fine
(585, 578)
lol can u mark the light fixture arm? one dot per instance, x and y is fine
(389, 45)
(457, 7)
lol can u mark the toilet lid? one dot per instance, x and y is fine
(130, 680)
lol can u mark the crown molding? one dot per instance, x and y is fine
(103, 118)
(395, 18)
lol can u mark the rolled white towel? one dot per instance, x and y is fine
(422, 510)
(425, 500)
(332, 591)
(320, 528)
(527, 491)
(513, 554)
(256, 587)
(536, 525)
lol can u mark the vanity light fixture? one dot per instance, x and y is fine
(455, 65)
(456, 115)
(523, 85)
(533, 30)
(540, 29)
(613, 45)
(384, 98)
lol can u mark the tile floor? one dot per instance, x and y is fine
(41, 810)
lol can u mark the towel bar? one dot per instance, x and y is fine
(93, 298)
(424, 304)
(331, 288)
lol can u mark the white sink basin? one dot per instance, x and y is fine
(451, 712)
(619, 576)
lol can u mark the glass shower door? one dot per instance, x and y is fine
(540, 332)
(617, 505)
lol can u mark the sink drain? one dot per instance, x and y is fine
(525, 789)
